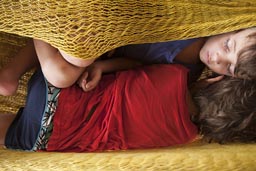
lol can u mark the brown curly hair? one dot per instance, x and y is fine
(227, 111)
(246, 61)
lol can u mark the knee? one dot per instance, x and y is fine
(76, 61)
(60, 78)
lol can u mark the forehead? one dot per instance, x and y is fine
(243, 35)
(242, 38)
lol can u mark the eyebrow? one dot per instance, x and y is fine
(234, 45)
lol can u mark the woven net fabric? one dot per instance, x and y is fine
(88, 28)
(192, 157)
(10, 44)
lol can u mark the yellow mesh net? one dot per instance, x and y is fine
(89, 28)
(192, 157)
(9, 45)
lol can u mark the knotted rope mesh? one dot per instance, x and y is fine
(88, 28)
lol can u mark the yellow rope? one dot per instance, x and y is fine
(88, 28)
(190, 157)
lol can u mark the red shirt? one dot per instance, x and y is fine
(134, 109)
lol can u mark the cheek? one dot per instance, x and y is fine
(218, 69)
(204, 50)
(211, 47)
(205, 47)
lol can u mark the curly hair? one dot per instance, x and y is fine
(227, 111)
(246, 61)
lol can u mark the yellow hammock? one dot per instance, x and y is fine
(87, 29)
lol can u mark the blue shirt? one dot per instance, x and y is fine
(161, 53)
(151, 53)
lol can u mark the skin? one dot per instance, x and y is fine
(220, 52)
(59, 68)
(11, 73)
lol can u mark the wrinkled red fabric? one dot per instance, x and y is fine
(134, 109)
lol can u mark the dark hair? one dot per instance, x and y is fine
(227, 111)
(246, 62)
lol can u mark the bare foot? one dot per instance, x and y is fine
(8, 84)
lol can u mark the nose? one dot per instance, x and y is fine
(216, 58)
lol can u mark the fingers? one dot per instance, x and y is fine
(206, 82)
(84, 85)
(82, 81)
(92, 83)
(90, 78)
(215, 79)
(89, 86)
(201, 84)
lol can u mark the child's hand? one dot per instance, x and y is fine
(90, 78)
(208, 81)
(201, 84)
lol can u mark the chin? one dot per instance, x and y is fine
(201, 53)
(201, 58)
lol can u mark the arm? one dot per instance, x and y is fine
(203, 83)
(57, 70)
(116, 64)
(91, 77)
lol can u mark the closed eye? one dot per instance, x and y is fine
(231, 69)
(226, 45)
(229, 72)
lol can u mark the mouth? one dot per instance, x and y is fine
(207, 58)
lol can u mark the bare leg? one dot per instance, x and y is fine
(60, 69)
(5, 122)
(10, 75)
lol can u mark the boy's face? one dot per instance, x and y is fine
(220, 52)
